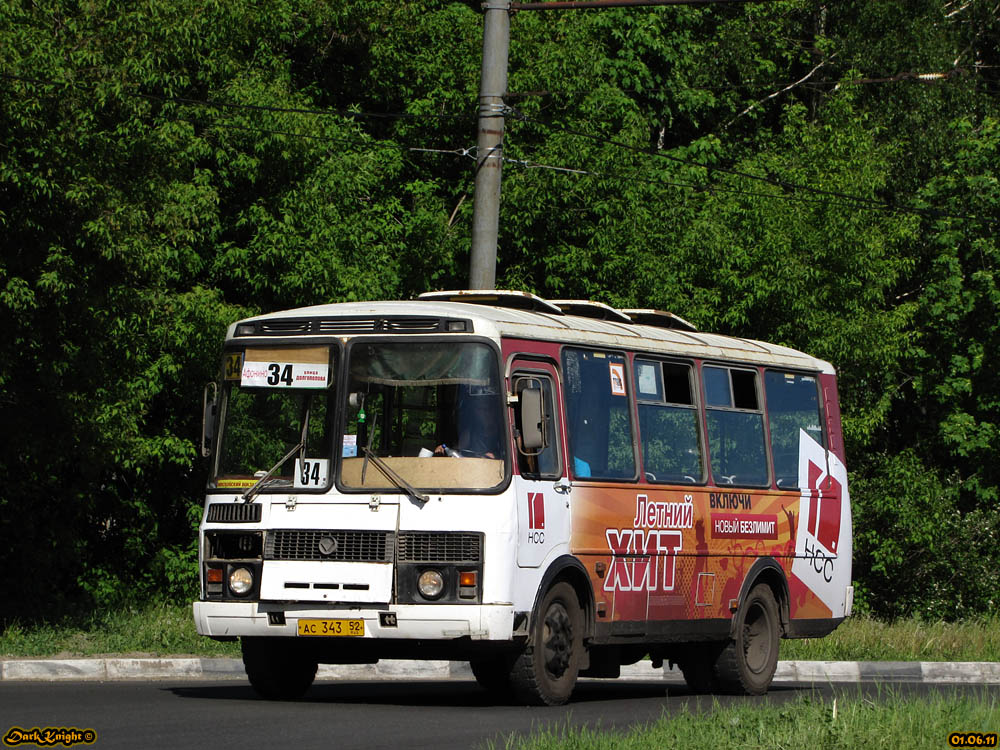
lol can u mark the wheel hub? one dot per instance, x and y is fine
(557, 638)
(756, 643)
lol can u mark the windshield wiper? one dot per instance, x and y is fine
(396, 478)
(300, 449)
(259, 484)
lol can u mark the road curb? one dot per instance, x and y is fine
(118, 668)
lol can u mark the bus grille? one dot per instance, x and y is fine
(440, 547)
(347, 546)
(411, 325)
(233, 513)
(345, 325)
(283, 327)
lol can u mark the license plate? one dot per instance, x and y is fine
(332, 627)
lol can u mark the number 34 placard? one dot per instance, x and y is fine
(284, 375)
(311, 473)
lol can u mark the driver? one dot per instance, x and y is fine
(478, 420)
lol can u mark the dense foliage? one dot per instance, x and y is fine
(778, 170)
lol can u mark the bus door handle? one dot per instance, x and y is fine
(563, 487)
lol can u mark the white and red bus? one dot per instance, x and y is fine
(547, 489)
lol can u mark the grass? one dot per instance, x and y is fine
(890, 722)
(865, 639)
(168, 630)
(154, 630)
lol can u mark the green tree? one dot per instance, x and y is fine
(772, 170)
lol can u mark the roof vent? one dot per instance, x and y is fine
(586, 309)
(659, 319)
(494, 298)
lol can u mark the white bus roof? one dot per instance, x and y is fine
(520, 315)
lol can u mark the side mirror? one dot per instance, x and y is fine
(534, 421)
(209, 408)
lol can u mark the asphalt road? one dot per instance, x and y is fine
(345, 715)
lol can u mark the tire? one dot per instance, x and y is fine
(278, 669)
(746, 665)
(698, 668)
(544, 674)
(492, 673)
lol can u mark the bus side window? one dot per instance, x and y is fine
(599, 422)
(669, 427)
(735, 422)
(792, 405)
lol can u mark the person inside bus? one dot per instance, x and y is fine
(479, 432)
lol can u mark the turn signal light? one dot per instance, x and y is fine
(467, 578)
(213, 575)
(467, 584)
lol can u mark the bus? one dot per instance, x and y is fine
(547, 489)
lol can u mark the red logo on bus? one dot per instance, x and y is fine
(824, 510)
(536, 510)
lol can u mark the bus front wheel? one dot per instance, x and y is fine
(492, 673)
(545, 672)
(747, 664)
(277, 668)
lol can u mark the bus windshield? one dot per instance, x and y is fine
(275, 428)
(432, 411)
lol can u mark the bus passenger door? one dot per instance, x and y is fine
(540, 484)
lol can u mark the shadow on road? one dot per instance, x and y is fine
(450, 693)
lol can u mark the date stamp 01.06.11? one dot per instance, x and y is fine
(972, 739)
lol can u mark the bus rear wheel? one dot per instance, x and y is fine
(277, 668)
(545, 672)
(747, 664)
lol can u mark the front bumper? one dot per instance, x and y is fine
(487, 622)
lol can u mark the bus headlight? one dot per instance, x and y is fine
(240, 581)
(430, 584)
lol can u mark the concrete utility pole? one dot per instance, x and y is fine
(493, 86)
(489, 151)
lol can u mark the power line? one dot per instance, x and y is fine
(867, 205)
(856, 202)
(903, 77)
(776, 182)
(845, 200)
(309, 136)
(347, 113)
(602, 4)
(271, 131)
(784, 184)
(913, 77)
(364, 145)
(696, 187)
(852, 201)
(281, 110)
(217, 104)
